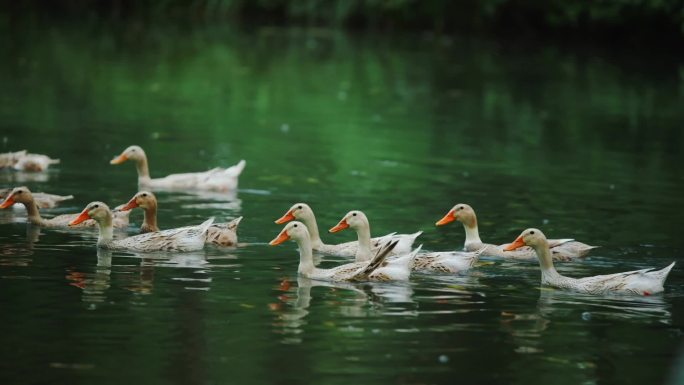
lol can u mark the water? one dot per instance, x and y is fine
(582, 143)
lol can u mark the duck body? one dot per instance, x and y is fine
(189, 238)
(26, 161)
(640, 282)
(374, 270)
(216, 179)
(562, 249)
(303, 212)
(24, 196)
(445, 261)
(221, 234)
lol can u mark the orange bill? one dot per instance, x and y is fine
(285, 218)
(340, 226)
(119, 159)
(518, 243)
(448, 218)
(130, 205)
(82, 217)
(9, 201)
(282, 237)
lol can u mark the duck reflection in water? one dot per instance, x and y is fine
(95, 284)
(351, 300)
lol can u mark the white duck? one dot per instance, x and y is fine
(303, 212)
(43, 200)
(373, 270)
(25, 161)
(561, 249)
(188, 238)
(642, 282)
(23, 195)
(446, 262)
(222, 234)
(216, 179)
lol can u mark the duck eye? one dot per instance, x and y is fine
(295, 225)
(299, 207)
(354, 214)
(144, 195)
(531, 232)
(96, 206)
(19, 192)
(461, 208)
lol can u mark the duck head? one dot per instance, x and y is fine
(143, 199)
(354, 219)
(94, 210)
(294, 230)
(462, 213)
(17, 195)
(530, 237)
(300, 211)
(134, 153)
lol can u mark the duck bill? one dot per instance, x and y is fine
(129, 206)
(9, 201)
(81, 218)
(448, 218)
(282, 237)
(119, 159)
(518, 243)
(340, 226)
(285, 218)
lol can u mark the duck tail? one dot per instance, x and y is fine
(233, 225)
(65, 198)
(662, 273)
(53, 161)
(413, 255)
(205, 226)
(236, 170)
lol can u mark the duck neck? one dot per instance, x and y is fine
(545, 260)
(33, 212)
(306, 263)
(312, 226)
(472, 238)
(363, 251)
(106, 231)
(150, 219)
(143, 169)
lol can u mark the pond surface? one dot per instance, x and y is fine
(580, 143)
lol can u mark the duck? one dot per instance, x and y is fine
(23, 195)
(375, 269)
(216, 179)
(303, 212)
(189, 238)
(43, 200)
(562, 249)
(433, 261)
(26, 161)
(641, 282)
(222, 234)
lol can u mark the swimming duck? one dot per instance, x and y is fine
(642, 282)
(25, 161)
(304, 213)
(561, 249)
(216, 179)
(189, 238)
(373, 270)
(43, 200)
(222, 234)
(446, 262)
(23, 195)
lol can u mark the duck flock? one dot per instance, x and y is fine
(387, 258)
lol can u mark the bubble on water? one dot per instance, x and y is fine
(342, 95)
(443, 359)
(545, 221)
(611, 186)
(285, 128)
(586, 316)
(465, 174)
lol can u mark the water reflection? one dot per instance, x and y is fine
(352, 300)
(93, 284)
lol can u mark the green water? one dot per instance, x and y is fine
(582, 143)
